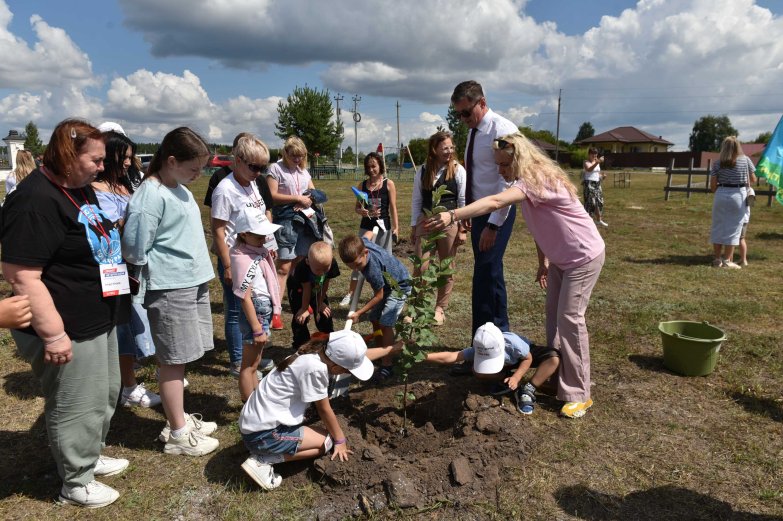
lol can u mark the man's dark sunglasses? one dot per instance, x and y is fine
(467, 112)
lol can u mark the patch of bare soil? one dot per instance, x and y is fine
(444, 456)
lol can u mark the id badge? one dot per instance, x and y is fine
(114, 279)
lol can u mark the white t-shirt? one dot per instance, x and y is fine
(282, 398)
(229, 198)
(595, 175)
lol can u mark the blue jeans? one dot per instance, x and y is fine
(232, 309)
(134, 337)
(489, 286)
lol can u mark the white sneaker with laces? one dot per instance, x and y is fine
(191, 443)
(140, 396)
(262, 473)
(346, 301)
(193, 421)
(92, 495)
(106, 466)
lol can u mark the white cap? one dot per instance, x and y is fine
(347, 349)
(253, 220)
(111, 126)
(489, 349)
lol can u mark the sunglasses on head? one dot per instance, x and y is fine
(465, 113)
(501, 144)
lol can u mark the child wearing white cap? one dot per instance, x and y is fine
(271, 419)
(493, 350)
(254, 282)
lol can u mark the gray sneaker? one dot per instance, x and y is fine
(266, 364)
(106, 466)
(195, 423)
(262, 473)
(192, 443)
(92, 495)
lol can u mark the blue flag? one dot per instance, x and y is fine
(771, 163)
(360, 196)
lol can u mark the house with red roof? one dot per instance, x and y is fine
(627, 139)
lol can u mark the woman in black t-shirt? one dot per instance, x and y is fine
(57, 244)
(440, 169)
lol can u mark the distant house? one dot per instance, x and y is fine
(752, 150)
(549, 149)
(627, 139)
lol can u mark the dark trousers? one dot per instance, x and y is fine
(301, 332)
(489, 286)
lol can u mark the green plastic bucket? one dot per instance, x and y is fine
(690, 348)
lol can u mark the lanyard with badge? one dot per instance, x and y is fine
(114, 276)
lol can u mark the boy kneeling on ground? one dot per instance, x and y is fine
(493, 350)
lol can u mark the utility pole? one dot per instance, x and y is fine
(356, 119)
(557, 134)
(399, 152)
(337, 100)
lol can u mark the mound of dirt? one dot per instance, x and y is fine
(455, 445)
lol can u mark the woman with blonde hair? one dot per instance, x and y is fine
(729, 178)
(24, 165)
(570, 254)
(288, 181)
(441, 169)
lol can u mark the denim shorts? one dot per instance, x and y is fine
(283, 439)
(134, 337)
(304, 240)
(263, 307)
(388, 310)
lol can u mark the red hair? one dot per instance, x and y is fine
(68, 140)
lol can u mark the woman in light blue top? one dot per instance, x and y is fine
(163, 234)
(113, 190)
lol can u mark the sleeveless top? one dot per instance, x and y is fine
(377, 198)
(449, 201)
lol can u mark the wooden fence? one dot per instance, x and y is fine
(702, 186)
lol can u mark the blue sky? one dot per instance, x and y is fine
(221, 67)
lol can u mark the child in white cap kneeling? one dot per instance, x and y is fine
(271, 419)
(493, 351)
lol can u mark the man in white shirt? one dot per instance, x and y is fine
(489, 233)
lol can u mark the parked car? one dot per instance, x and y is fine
(145, 161)
(219, 161)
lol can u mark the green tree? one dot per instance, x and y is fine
(348, 156)
(308, 114)
(764, 137)
(32, 142)
(586, 130)
(418, 148)
(541, 135)
(709, 132)
(459, 130)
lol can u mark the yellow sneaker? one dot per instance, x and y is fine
(576, 409)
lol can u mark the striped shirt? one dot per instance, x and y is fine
(738, 175)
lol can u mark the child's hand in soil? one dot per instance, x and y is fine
(341, 452)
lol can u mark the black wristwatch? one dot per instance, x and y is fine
(492, 226)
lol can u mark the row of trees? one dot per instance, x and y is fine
(308, 114)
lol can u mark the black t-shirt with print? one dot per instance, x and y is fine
(303, 274)
(40, 227)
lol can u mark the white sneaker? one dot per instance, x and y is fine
(106, 466)
(185, 382)
(191, 443)
(603, 224)
(92, 495)
(346, 301)
(193, 421)
(140, 396)
(262, 473)
(731, 265)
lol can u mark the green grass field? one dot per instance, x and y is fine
(654, 446)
